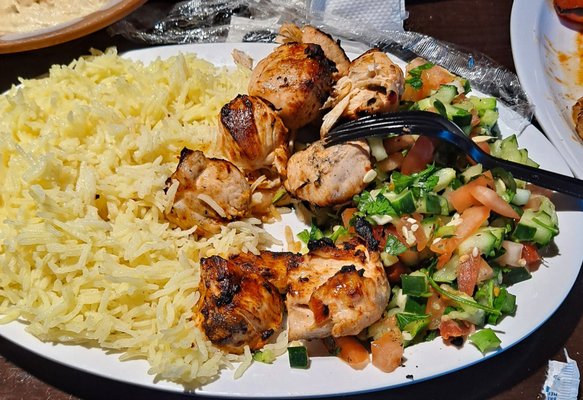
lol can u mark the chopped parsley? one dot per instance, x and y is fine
(424, 180)
(368, 204)
(394, 246)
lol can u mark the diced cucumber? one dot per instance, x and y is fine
(403, 203)
(471, 172)
(458, 115)
(448, 273)
(414, 285)
(507, 149)
(538, 226)
(415, 305)
(445, 231)
(432, 204)
(298, 357)
(429, 225)
(515, 275)
(445, 94)
(483, 104)
(487, 239)
(445, 176)
(489, 118)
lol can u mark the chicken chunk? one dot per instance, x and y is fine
(270, 265)
(297, 79)
(240, 300)
(372, 85)
(308, 34)
(210, 190)
(335, 291)
(252, 135)
(328, 176)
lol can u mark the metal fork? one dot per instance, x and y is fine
(434, 125)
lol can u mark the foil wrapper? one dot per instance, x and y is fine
(207, 21)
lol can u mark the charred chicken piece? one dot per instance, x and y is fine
(372, 85)
(240, 300)
(210, 190)
(335, 291)
(309, 34)
(328, 176)
(296, 78)
(253, 136)
(270, 265)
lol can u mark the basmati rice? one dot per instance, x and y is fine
(86, 255)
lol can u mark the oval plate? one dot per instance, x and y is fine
(537, 300)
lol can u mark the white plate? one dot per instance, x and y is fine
(111, 12)
(328, 375)
(548, 59)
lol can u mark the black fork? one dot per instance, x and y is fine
(434, 125)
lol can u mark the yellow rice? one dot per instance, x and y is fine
(86, 255)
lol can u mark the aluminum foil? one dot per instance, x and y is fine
(200, 21)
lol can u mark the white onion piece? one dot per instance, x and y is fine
(521, 197)
(513, 255)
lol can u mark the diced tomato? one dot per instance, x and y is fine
(352, 351)
(485, 272)
(467, 273)
(391, 163)
(419, 156)
(530, 255)
(380, 233)
(346, 217)
(472, 219)
(493, 201)
(462, 197)
(432, 79)
(450, 328)
(435, 308)
(410, 257)
(395, 271)
(485, 148)
(396, 144)
(421, 238)
(387, 351)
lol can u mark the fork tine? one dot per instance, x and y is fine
(431, 124)
(371, 120)
(379, 128)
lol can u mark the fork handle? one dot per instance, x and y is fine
(540, 177)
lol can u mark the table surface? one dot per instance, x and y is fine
(518, 373)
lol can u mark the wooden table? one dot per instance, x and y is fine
(518, 373)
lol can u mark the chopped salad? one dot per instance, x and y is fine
(452, 236)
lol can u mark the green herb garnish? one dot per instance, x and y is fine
(369, 205)
(394, 246)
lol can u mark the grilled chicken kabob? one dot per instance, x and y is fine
(333, 290)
